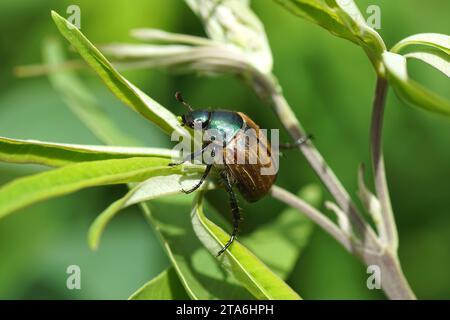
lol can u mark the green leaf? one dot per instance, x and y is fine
(79, 99)
(150, 189)
(279, 242)
(343, 19)
(60, 154)
(370, 202)
(157, 35)
(256, 277)
(321, 13)
(435, 40)
(436, 59)
(232, 22)
(122, 88)
(201, 274)
(158, 53)
(208, 60)
(165, 286)
(435, 50)
(409, 90)
(28, 190)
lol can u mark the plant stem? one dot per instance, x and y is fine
(388, 233)
(315, 215)
(393, 281)
(316, 161)
(372, 250)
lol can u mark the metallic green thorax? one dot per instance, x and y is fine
(227, 123)
(199, 115)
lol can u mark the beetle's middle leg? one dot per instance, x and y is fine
(203, 178)
(205, 174)
(234, 209)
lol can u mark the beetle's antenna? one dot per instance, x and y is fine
(180, 99)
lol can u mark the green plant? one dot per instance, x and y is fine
(236, 45)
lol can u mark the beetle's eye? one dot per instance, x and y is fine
(198, 123)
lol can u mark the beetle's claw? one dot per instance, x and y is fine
(187, 191)
(233, 237)
(221, 251)
(174, 164)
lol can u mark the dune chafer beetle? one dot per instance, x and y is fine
(231, 129)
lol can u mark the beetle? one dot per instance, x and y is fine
(233, 127)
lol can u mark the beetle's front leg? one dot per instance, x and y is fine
(234, 209)
(189, 157)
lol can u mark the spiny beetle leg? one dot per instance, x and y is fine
(226, 245)
(203, 178)
(234, 209)
(189, 157)
(297, 143)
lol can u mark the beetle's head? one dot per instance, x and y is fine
(193, 118)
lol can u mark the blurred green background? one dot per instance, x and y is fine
(328, 81)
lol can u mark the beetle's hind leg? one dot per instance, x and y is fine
(199, 184)
(297, 143)
(235, 211)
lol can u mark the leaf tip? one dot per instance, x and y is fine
(54, 15)
(92, 240)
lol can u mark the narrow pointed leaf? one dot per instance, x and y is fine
(437, 59)
(409, 90)
(434, 50)
(280, 241)
(256, 277)
(165, 286)
(152, 188)
(343, 19)
(435, 40)
(28, 190)
(122, 88)
(122, 51)
(61, 154)
(370, 201)
(157, 35)
(79, 98)
(232, 22)
(342, 218)
(200, 273)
